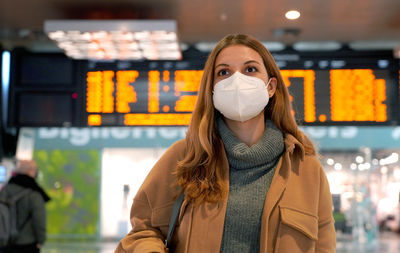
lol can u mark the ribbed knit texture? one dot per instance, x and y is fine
(250, 174)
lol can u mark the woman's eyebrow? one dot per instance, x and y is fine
(222, 65)
(252, 61)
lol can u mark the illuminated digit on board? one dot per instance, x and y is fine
(309, 91)
(94, 91)
(108, 89)
(154, 91)
(126, 93)
(186, 81)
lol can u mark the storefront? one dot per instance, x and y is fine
(92, 175)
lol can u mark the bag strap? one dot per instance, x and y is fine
(19, 195)
(174, 217)
(14, 198)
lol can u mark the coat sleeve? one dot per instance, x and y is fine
(143, 238)
(326, 231)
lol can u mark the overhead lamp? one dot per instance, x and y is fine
(374, 45)
(205, 46)
(273, 46)
(292, 14)
(116, 39)
(315, 45)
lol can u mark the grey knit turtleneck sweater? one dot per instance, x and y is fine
(250, 174)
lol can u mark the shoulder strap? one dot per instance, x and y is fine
(174, 217)
(19, 195)
(9, 200)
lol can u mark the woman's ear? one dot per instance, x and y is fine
(272, 86)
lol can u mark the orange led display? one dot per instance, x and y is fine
(108, 90)
(94, 120)
(165, 76)
(94, 91)
(380, 97)
(187, 81)
(356, 95)
(309, 93)
(154, 91)
(170, 119)
(100, 88)
(126, 93)
(186, 103)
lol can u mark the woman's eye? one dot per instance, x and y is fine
(251, 69)
(223, 72)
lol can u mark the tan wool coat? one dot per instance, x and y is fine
(297, 214)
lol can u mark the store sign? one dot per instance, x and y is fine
(50, 138)
(346, 138)
(325, 137)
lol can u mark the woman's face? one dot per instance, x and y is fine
(239, 58)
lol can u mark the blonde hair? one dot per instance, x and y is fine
(200, 174)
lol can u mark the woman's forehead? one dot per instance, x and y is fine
(237, 54)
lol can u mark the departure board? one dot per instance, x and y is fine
(132, 97)
(342, 87)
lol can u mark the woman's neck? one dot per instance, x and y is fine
(250, 131)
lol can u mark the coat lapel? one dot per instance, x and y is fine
(278, 185)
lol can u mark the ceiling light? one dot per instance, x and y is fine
(374, 45)
(205, 46)
(317, 46)
(116, 39)
(273, 45)
(293, 14)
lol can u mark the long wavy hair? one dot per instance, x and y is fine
(201, 172)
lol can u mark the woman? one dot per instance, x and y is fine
(250, 177)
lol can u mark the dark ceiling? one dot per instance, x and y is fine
(21, 21)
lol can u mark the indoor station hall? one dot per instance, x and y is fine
(285, 115)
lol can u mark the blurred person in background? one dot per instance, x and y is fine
(250, 178)
(31, 212)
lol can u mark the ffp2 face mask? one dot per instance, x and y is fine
(240, 97)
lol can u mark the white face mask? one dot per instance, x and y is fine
(240, 97)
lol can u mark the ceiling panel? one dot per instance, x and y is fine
(210, 20)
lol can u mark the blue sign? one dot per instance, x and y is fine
(326, 138)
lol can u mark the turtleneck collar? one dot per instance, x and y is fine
(265, 151)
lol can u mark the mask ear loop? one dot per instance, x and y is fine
(268, 82)
(266, 86)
